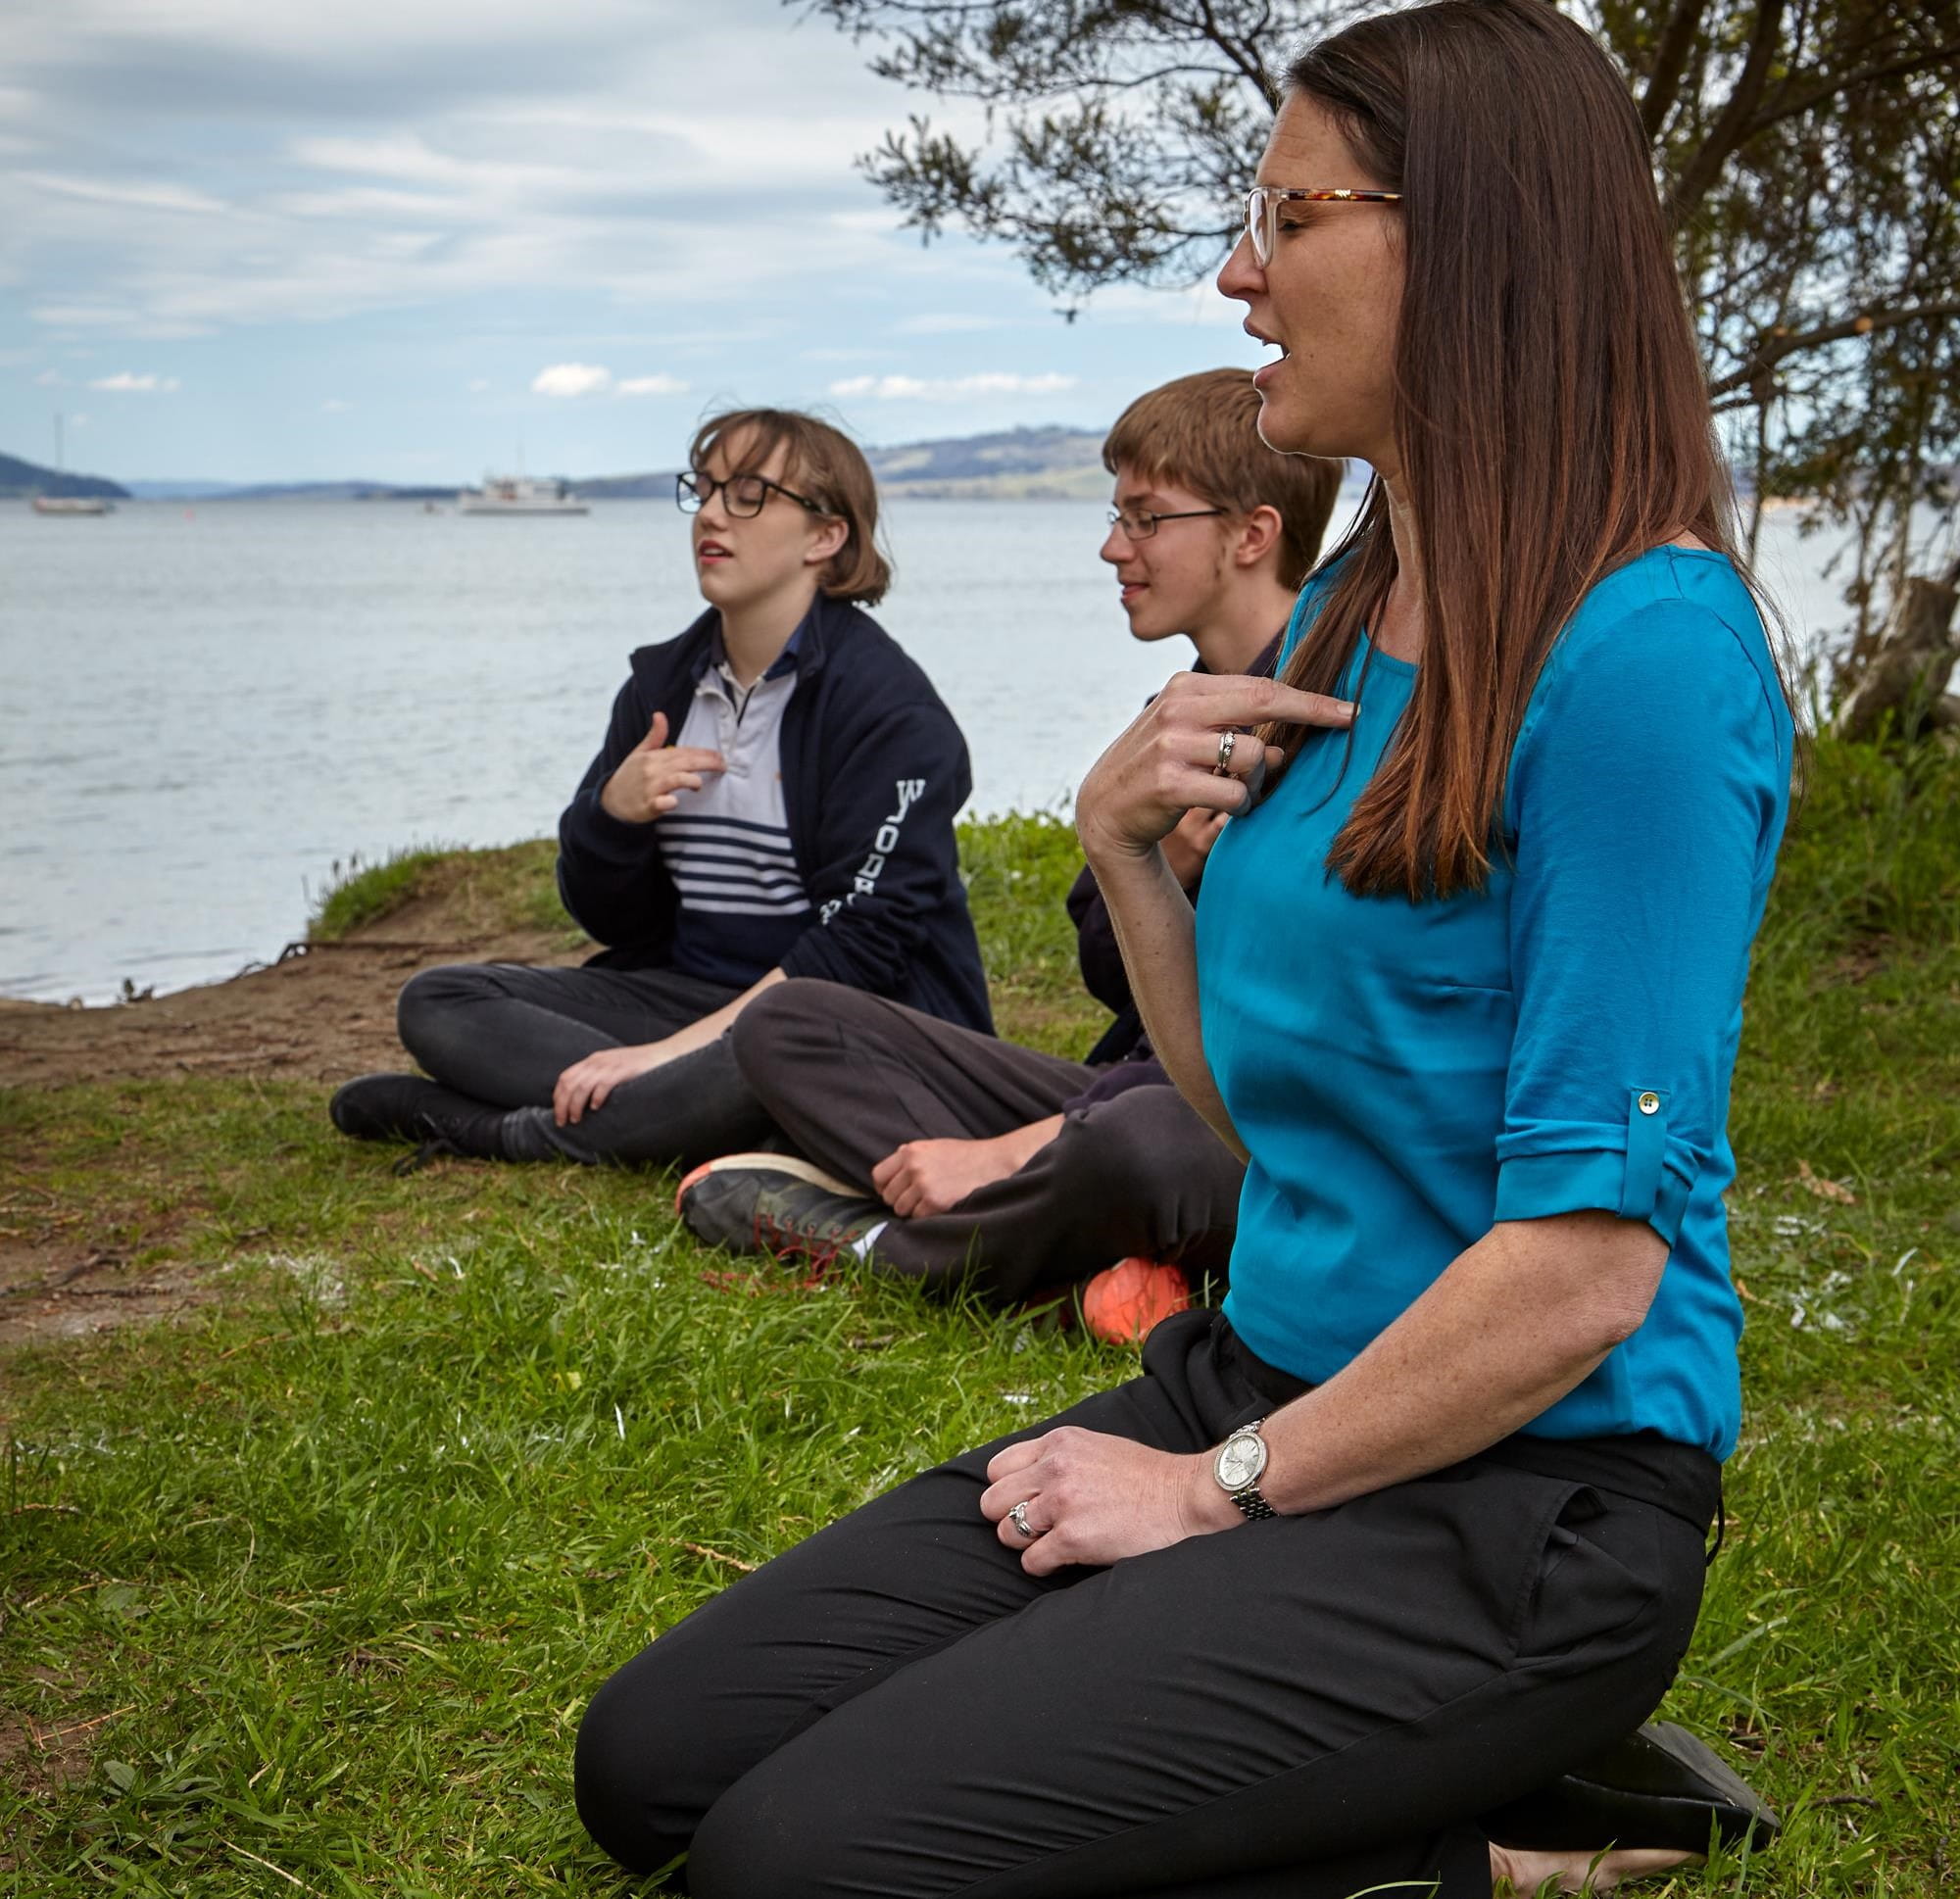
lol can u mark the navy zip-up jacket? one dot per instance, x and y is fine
(875, 772)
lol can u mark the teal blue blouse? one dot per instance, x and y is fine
(1405, 1075)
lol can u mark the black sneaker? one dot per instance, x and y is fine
(1660, 1787)
(411, 1108)
(775, 1203)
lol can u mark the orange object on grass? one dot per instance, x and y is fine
(1124, 1301)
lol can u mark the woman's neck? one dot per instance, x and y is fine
(753, 635)
(1398, 626)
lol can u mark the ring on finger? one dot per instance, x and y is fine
(1228, 742)
(1018, 1517)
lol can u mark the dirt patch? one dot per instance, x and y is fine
(43, 1297)
(41, 1761)
(321, 1014)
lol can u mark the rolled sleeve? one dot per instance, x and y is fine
(1642, 809)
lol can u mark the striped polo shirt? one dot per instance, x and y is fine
(727, 846)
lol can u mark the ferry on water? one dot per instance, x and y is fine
(520, 495)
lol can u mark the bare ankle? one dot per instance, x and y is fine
(1523, 1871)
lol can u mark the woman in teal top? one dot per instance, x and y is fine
(1583, 1002)
(1371, 1577)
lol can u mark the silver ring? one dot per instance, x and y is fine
(1018, 1517)
(1227, 743)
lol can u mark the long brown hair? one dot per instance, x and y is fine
(1552, 414)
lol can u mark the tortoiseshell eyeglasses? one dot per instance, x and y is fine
(1263, 210)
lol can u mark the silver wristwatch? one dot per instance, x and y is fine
(1240, 1464)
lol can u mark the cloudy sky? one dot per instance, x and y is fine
(401, 239)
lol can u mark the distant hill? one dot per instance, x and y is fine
(21, 480)
(285, 491)
(1020, 464)
(1010, 464)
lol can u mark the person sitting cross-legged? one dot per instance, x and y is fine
(961, 1159)
(774, 798)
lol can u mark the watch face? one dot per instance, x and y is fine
(1242, 1460)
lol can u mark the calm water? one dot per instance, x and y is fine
(202, 709)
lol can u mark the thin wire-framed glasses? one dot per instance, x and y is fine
(1140, 526)
(1263, 201)
(745, 495)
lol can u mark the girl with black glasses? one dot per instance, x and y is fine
(775, 798)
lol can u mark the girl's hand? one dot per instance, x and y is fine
(1167, 762)
(651, 776)
(1093, 1498)
(585, 1085)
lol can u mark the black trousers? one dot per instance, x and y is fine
(849, 1078)
(1295, 1709)
(503, 1032)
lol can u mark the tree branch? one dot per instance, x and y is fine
(1773, 349)
(1701, 170)
(1795, 105)
(1677, 41)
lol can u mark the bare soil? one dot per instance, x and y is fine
(322, 1013)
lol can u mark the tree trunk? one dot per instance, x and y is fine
(1904, 681)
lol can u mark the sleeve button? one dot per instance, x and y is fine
(1650, 1103)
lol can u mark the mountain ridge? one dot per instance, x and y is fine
(22, 480)
(1045, 463)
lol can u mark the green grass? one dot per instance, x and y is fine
(333, 1567)
(495, 891)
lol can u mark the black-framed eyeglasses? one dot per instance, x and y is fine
(745, 495)
(1263, 202)
(1140, 526)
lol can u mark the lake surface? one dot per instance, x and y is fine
(204, 708)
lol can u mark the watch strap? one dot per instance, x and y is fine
(1252, 1505)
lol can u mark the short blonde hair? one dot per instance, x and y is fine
(824, 466)
(1202, 432)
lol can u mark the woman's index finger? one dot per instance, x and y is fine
(1292, 706)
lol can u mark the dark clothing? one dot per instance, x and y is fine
(1302, 1708)
(851, 1078)
(874, 771)
(1102, 962)
(503, 1033)
(1103, 973)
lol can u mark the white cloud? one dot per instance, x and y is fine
(49, 379)
(950, 388)
(333, 406)
(655, 385)
(136, 194)
(570, 379)
(126, 382)
(477, 385)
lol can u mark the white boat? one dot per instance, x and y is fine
(520, 495)
(68, 504)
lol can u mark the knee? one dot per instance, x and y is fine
(786, 1020)
(764, 1835)
(1109, 1149)
(428, 996)
(621, 1773)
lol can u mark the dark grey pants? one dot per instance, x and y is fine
(849, 1078)
(1305, 1708)
(503, 1032)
